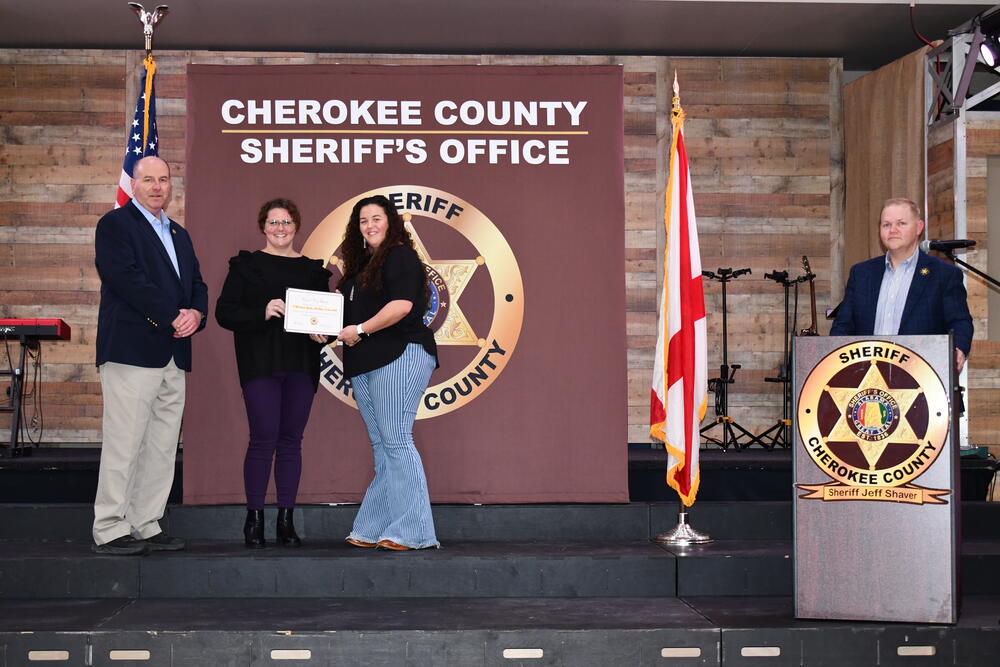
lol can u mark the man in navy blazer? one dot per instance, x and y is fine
(905, 291)
(152, 300)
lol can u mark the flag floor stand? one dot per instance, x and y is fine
(682, 534)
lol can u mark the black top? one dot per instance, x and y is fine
(262, 346)
(403, 277)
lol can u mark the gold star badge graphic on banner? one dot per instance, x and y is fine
(455, 275)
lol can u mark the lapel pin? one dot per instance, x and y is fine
(925, 271)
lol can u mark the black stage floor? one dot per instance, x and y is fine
(528, 585)
(580, 632)
(578, 585)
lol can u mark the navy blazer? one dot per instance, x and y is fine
(935, 304)
(141, 294)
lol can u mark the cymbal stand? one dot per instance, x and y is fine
(780, 435)
(731, 431)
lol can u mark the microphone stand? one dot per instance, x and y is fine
(727, 372)
(950, 254)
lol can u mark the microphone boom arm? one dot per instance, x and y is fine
(951, 255)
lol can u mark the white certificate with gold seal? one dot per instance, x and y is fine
(313, 312)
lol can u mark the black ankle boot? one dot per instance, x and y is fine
(253, 529)
(286, 529)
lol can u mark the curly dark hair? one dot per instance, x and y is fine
(286, 204)
(359, 259)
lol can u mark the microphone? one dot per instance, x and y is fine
(946, 246)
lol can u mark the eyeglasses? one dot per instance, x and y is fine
(282, 223)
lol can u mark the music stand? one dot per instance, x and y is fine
(780, 434)
(720, 385)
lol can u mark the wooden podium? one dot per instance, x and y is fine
(875, 469)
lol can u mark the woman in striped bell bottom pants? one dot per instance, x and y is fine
(396, 506)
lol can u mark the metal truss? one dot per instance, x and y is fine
(949, 88)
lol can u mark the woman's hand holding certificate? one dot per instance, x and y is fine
(313, 312)
(274, 308)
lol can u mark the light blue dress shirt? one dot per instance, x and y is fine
(161, 225)
(892, 294)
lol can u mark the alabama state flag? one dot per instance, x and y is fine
(679, 394)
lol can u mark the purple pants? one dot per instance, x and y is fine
(277, 411)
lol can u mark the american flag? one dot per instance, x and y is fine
(142, 138)
(679, 395)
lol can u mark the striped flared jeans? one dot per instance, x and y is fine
(396, 505)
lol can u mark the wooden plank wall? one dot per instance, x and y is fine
(763, 135)
(940, 212)
(62, 121)
(982, 141)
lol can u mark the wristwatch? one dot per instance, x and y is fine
(361, 331)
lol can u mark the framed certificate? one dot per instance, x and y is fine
(312, 312)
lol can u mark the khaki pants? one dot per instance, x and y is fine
(142, 420)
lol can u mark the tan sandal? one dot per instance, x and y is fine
(393, 546)
(359, 543)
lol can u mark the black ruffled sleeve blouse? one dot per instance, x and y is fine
(262, 346)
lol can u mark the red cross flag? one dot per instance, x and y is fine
(679, 395)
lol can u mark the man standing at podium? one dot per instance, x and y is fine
(906, 291)
(152, 301)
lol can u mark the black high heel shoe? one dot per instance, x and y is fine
(286, 529)
(253, 529)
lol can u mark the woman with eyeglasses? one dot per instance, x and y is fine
(279, 371)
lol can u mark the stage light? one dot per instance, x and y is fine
(989, 50)
(988, 24)
(972, 43)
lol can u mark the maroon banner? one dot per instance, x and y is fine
(511, 179)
